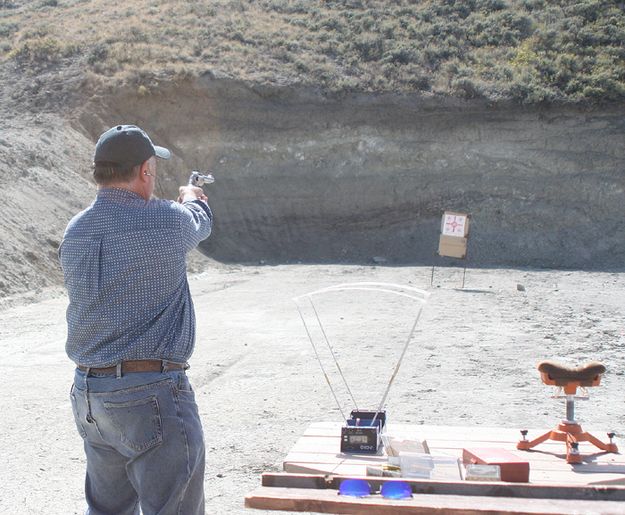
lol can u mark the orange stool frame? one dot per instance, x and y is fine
(569, 431)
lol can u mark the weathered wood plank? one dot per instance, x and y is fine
(545, 451)
(451, 437)
(327, 501)
(495, 488)
(477, 433)
(310, 468)
(606, 463)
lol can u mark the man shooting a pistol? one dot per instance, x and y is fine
(131, 332)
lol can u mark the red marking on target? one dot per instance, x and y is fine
(454, 225)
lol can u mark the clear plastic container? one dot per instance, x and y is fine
(415, 464)
(429, 466)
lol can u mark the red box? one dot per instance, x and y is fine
(513, 468)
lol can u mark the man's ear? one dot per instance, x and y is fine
(144, 172)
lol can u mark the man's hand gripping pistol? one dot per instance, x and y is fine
(194, 191)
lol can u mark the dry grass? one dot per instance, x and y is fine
(529, 50)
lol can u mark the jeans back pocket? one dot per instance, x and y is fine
(138, 422)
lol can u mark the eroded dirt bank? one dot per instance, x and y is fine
(305, 178)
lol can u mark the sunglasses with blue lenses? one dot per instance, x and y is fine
(389, 490)
(396, 490)
(355, 488)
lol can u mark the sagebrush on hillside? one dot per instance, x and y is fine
(529, 51)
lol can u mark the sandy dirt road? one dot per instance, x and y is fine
(258, 384)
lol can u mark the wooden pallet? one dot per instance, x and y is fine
(315, 467)
(317, 452)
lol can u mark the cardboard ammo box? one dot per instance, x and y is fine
(513, 468)
(452, 246)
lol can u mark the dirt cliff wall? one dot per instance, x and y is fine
(305, 178)
(301, 177)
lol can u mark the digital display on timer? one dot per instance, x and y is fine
(357, 438)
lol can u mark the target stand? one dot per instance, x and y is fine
(454, 239)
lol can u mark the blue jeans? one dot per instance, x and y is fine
(144, 443)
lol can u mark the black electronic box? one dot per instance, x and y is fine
(361, 435)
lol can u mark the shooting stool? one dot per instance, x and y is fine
(569, 431)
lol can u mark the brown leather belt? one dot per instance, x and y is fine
(139, 365)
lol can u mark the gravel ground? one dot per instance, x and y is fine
(258, 384)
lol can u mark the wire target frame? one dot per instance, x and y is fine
(420, 298)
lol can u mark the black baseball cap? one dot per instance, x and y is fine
(127, 145)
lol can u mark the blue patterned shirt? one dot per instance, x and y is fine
(123, 260)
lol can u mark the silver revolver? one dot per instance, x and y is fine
(199, 179)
